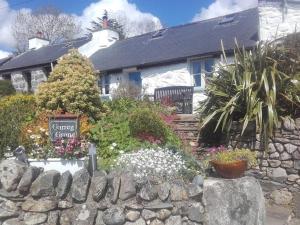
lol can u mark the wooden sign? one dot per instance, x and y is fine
(63, 126)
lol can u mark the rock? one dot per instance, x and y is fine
(80, 185)
(297, 164)
(296, 154)
(29, 176)
(127, 189)
(158, 205)
(148, 192)
(180, 208)
(278, 174)
(264, 163)
(296, 201)
(99, 218)
(8, 210)
(279, 147)
(234, 202)
(285, 156)
(14, 221)
(53, 217)
(85, 216)
(281, 197)
(11, 172)
(35, 218)
(274, 163)
(198, 180)
(148, 214)
(274, 155)
(287, 164)
(98, 187)
(132, 215)
(10, 194)
(64, 185)
(290, 148)
(178, 192)
(116, 189)
(294, 221)
(289, 124)
(163, 191)
(64, 204)
(163, 214)
(113, 216)
(41, 205)
(293, 177)
(45, 184)
(173, 220)
(156, 222)
(138, 222)
(272, 148)
(196, 212)
(195, 191)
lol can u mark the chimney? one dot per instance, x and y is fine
(37, 41)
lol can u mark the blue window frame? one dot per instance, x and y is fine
(135, 77)
(199, 68)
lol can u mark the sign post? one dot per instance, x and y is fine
(63, 126)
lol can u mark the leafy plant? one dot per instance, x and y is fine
(225, 156)
(71, 87)
(15, 110)
(259, 86)
(6, 88)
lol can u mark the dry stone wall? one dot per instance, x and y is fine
(31, 196)
(280, 164)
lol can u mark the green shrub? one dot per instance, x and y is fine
(147, 122)
(6, 88)
(260, 86)
(71, 87)
(15, 110)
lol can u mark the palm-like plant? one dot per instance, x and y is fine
(261, 85)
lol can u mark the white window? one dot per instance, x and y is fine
(201, 68)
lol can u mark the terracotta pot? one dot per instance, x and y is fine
(232, 170)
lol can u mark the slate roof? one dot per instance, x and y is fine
(4, 60)
(180, 42)
(43, 55)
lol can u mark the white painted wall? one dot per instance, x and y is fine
(100, 39)
(36, 43)
(276, 21)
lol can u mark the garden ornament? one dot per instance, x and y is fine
(20, 155)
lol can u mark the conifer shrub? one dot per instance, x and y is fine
(71, 87)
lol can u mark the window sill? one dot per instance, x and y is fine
(198, 89)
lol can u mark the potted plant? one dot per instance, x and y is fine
(231, 163)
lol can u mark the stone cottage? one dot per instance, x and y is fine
(177, 56)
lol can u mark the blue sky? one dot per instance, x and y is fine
(137, 14)
(170, 12)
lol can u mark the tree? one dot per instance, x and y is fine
(49, 21)
(100, 24)
(71, 87)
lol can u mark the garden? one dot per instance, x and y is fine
(260, 87)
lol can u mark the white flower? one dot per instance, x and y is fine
(111, 147)
(42, 129)
(114, 144)
(121, 152)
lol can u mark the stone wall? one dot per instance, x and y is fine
(281, 162)
(38, 76)
(30, 196)
(19, 82)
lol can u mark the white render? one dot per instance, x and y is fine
(19, 82)
(276, 21)
(60, 165)
(36, 43)
(38, 76)
(100, 39)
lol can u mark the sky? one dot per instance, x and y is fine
(165, 13)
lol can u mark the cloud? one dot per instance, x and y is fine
(223, 7)
(6, 17)
(3, 54)
(134, 21)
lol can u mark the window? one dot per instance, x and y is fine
(27, 77)
(106, 84)
(135, 78)
(200, 69)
